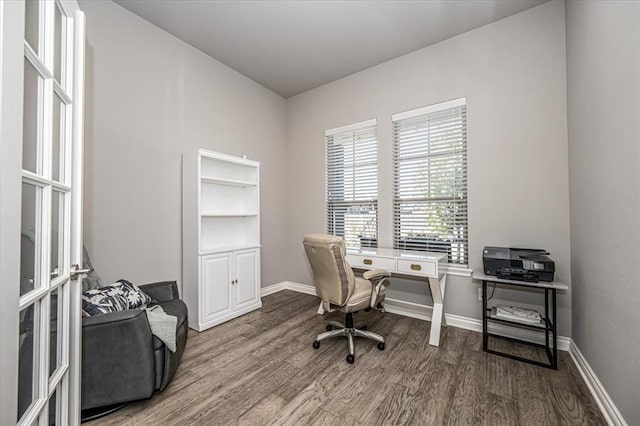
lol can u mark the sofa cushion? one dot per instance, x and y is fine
(119, 296)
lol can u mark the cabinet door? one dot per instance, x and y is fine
(248, 276)
(215, 287)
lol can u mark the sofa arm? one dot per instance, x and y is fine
(117, 358)
(162, 291)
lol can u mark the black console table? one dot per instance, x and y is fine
(547, 325)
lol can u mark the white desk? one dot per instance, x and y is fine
(415, 264)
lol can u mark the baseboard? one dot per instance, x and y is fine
(407, 309)
(287, 285)
(423, 312)
(300, 288)
(273, 288)
(599, 393)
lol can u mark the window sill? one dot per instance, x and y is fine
(459, 271)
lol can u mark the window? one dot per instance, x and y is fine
(430, 180)
(352, 183)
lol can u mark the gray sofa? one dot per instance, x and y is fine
(121, 360)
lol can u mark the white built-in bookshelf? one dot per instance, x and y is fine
(221, 237)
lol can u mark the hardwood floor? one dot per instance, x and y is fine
(260, 369)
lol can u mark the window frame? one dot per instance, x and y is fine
(371, 181)
(457, 248)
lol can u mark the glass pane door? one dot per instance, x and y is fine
(43, 371)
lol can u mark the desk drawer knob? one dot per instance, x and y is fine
(415, 267)
(367, 262)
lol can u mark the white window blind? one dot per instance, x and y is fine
(430, 180)
(352, 183)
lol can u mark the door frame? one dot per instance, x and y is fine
(11, 69)
(77, 236)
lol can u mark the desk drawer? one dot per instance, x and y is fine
(416, 267)
(371, 262)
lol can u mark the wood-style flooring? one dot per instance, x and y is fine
(261, 369)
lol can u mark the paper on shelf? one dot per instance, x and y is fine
(520, 314)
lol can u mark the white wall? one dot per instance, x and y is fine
(149, 98)
(513, 74)
(603, 73)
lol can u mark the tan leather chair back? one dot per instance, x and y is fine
(332, 275)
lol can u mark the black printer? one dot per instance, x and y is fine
(531, 265)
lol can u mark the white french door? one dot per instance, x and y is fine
(41, 353)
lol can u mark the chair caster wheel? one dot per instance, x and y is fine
(350, 359)
(316, 344)
(364, 327)
(329, 327)
(381, 346)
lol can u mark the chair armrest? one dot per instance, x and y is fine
(376, 274)
(162, 291)
(117, 358)
(378, 278)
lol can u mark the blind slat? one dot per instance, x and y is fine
(430, 183)
(352, 185)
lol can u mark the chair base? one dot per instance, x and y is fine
(349, 331)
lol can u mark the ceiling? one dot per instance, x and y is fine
(294, 46)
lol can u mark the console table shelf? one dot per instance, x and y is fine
(491, 316)
(548, 324)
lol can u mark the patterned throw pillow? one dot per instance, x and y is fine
(119, 296)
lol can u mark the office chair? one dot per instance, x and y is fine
(340, 290)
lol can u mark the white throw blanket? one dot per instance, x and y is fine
(163, 326)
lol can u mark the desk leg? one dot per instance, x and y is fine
(320, 309)
(437, 287)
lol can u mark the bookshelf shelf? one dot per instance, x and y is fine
(228, 182)
(229, 214)
(221, 237)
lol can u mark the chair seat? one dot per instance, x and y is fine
(361, 297)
